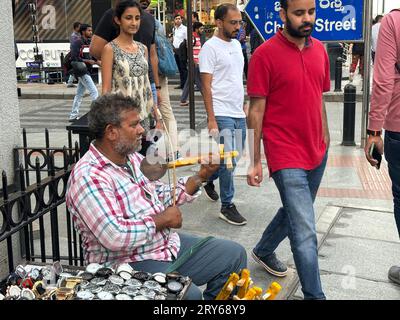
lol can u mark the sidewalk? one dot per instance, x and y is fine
(60, 91)
(358, 240)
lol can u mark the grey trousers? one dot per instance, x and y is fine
(211, 264)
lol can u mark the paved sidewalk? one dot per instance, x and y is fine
(358, 240)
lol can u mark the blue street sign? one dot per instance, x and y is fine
(336, 20)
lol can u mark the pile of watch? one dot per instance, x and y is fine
(96, 282)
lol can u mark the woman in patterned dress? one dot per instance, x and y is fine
(125, 62)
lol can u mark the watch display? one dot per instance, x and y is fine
(93, 282)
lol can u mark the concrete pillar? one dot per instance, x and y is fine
(10, 135)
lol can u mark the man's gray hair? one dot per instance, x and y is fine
(107, 109)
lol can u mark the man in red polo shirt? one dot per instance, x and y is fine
(287, 77)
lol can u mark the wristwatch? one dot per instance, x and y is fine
(158, 87)
(374, 133)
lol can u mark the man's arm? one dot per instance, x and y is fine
(325, 127)
(154, 66)
(254, 121)
(206, 80)
(96, 46)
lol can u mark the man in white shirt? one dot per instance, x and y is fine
(221, 68)
(374, 35)
(179, 36)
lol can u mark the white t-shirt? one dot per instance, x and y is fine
(180, 34)
(374, 36)
(224, 60)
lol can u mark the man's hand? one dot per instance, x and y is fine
(213, 128)
(209, 166)
(378, 144)
(170, 218)
(255, 175)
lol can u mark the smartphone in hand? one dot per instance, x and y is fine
(374, 153)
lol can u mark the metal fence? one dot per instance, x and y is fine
(40, 203)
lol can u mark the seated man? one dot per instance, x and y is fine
(123, 217)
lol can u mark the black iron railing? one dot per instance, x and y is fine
(33, 203)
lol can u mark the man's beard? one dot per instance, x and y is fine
(297, 33)
(124, 147)
(229, 35)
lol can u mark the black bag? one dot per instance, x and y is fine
(79, 68)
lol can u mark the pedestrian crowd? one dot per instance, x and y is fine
(127, 216)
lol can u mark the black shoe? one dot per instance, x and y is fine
(272, 264)
(394, 274)
(210, 192)
(232, 216)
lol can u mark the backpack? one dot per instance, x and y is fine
(67, 63)
(166, 58)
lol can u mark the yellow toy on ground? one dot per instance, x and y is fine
(244, 291)
(227, 289)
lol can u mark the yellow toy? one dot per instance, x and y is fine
(228, 287)
(244, 283)
(253, 293)
(272, 291)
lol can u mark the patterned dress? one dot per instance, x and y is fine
(130, 76)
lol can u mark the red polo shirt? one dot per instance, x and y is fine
(293, 82)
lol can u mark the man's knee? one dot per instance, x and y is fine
(234, 253)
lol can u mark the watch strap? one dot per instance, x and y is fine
(374, 133)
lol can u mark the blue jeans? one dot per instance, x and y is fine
(85, 82)
(392, 155)
(296, 219)
(232, 133)
(211, 264)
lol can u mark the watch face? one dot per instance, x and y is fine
(161, 278)
(122, 296)
(140, 275)
(147, 293)
(85, 295)
(130, 291)
(95, 289)
(87, 276)
(153, 285)
(98, 281)
(28, 294)
(112, 288)
(174, 286)
(93, 267)
(125, 275)
(116, 280)
(133, 283)
(124, 267)
(105, 295)
(14, 291)
(104, 272)
(20, 271)
(35, 273)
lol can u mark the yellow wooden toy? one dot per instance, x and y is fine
(243, 283)
(228, 287)
(272, 291)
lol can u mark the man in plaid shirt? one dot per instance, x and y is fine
(123, 217)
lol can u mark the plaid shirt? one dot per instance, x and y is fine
(113, 211)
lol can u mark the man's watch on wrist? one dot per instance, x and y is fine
(158, 87)
(374, 133)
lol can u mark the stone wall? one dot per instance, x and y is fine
(9, 112)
